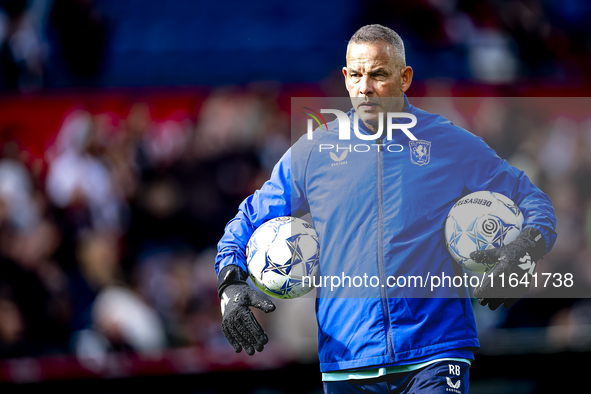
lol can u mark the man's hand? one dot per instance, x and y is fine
(239, 324)
(518, 258)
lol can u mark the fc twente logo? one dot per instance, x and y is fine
(420, 152)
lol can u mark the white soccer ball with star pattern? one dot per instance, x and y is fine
(480, 221)
(280, 254)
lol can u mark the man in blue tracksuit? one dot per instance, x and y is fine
(379, 207)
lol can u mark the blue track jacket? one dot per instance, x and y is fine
(382, 213)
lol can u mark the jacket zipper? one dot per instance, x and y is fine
(380, 251)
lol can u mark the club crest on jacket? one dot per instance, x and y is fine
(420, 152)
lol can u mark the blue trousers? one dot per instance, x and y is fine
(445, 377)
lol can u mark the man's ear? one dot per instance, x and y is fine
(406, 78)
(345, 74)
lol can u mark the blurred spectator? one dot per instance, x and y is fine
(79, 177)
(22, 52)
(126, 321)
(32, 285)
(12, 330)
(121, 322)
(82, 36)
(16, 190)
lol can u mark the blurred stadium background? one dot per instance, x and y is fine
(131, 130)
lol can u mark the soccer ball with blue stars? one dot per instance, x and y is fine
(480, 221)
(282, 257)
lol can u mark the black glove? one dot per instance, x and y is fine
(519, 258)
(238, 323)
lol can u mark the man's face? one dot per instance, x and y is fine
(375, 81)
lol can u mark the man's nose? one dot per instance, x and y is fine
(365, 87)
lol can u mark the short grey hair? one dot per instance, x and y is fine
(378, 33)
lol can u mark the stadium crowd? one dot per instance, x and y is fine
(94, 43)
(112, 246)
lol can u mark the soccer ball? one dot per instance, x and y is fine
(280, 253)
(479, 221)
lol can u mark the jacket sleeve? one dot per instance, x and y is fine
(281, 195)
(484, 170)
